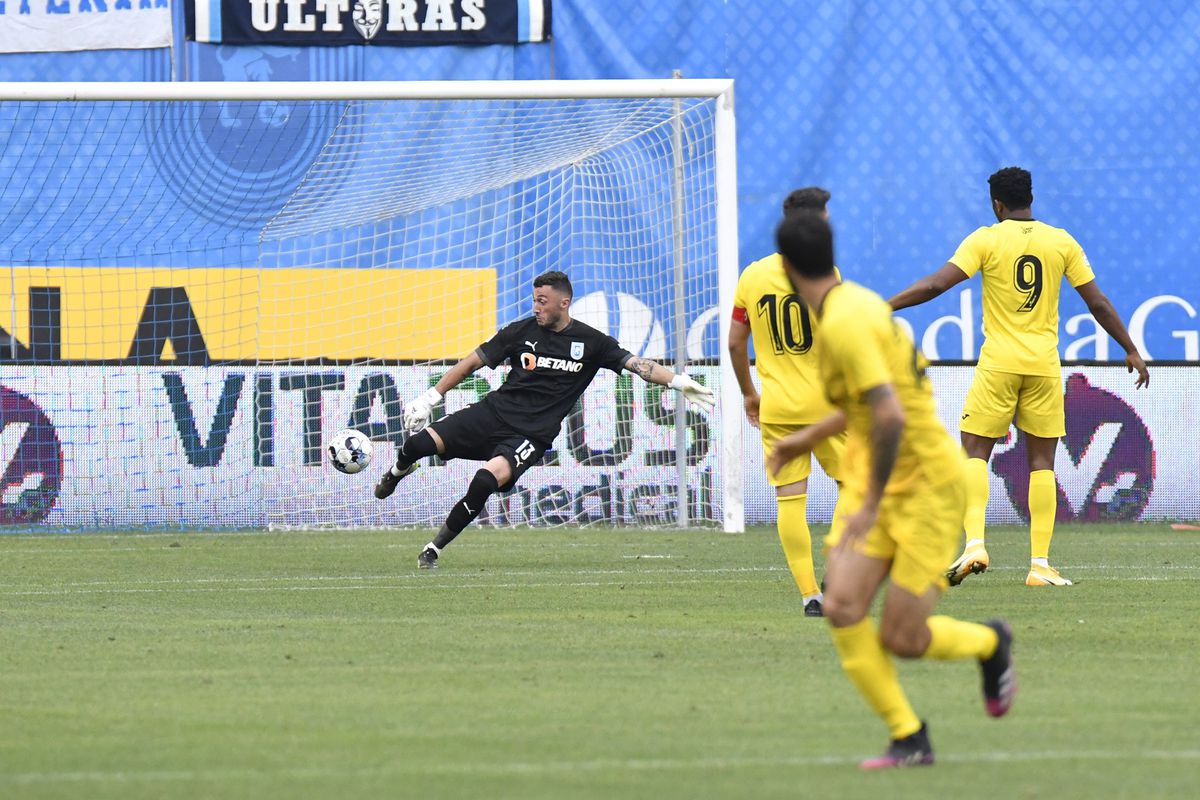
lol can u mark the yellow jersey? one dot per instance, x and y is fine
(862, 348)
(1023, 264)
(785, 346)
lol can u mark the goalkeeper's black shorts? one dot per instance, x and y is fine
(477, 433)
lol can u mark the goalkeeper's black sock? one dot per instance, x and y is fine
(481, 488)
(444, 537)
(416, 447)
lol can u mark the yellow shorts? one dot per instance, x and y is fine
(995, 397)
(828, 453)
(919, 532)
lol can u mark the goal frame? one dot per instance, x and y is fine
(725, 177)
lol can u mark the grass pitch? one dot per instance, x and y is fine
(566, 664)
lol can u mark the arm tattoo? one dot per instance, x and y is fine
(885, 435)
(885, 444)
(643, 367)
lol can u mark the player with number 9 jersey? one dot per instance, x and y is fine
(1022, 263)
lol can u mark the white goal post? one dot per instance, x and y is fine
(206, 278)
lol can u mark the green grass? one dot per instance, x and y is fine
(565, 664)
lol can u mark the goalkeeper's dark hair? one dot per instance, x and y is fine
(1012, 186)
(810, 197)
(806, 241)
(555, 280)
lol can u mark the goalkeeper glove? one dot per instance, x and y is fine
(694, 392)
(416, 413)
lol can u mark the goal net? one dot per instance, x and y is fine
(206, 280)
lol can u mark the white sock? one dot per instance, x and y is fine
(434, 548)
(973, 543)
(1039, 562)
(395, 471)
(819, 596)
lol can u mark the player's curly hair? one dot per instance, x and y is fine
(810, 197)
(806, 241)
(1012, 186)
(555, 280)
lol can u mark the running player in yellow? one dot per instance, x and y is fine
(1022, 262)
(767, 308)
(903, 498)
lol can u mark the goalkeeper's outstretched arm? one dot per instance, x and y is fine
(418, 411)
(465, 367)
(653, 372)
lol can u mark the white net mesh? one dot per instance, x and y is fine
(201, 292)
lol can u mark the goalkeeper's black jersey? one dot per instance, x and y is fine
(549, 371)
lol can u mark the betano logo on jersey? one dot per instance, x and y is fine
(200, 316)
(531, 362)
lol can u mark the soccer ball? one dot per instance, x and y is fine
(349, 451)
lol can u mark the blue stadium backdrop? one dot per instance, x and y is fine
(901, 109)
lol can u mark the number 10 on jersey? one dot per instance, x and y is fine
(787, 319)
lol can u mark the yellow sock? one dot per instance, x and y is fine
(796, 539)
(976, 470)
(871, 669)
(1043, 504)
(952, 638)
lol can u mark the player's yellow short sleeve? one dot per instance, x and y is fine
(1078, 270)
(972, 253)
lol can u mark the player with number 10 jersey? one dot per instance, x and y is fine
(786, 343)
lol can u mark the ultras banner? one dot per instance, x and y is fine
(388, 22)
(59, 25)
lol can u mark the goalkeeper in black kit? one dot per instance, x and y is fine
(553, 359)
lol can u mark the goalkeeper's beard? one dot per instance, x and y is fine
(552, 322)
